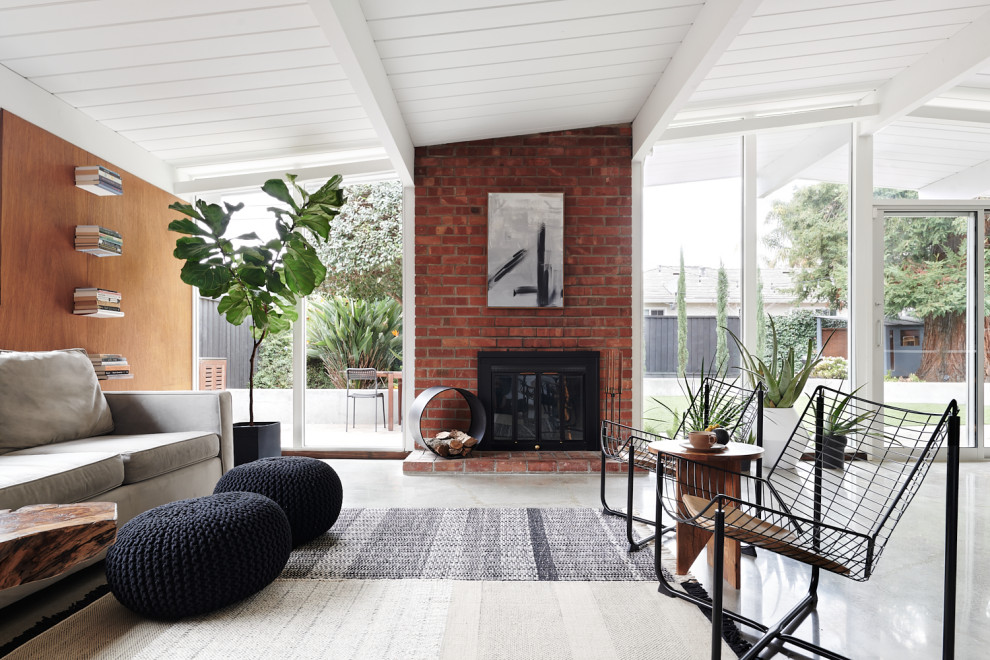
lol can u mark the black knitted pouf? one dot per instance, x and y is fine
(307, 489)
(194, 556)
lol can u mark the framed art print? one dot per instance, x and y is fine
(525, 249)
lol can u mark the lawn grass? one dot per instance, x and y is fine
(658, 419)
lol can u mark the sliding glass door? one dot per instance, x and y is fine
(932, 336)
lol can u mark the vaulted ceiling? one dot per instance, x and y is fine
(227, 87)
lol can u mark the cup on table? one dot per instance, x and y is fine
(702, 439)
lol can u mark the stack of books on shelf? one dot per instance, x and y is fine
(99, 180)
(110, 366)
(100, 303)
(97, 240)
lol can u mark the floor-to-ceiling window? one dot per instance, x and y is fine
(802, 247)
(692, 269)
(353, 319)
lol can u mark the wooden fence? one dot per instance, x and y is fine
(217, 338)
(660, 335)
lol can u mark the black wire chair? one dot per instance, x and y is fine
(734, 407)
(835, 518)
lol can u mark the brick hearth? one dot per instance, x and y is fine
(511, 462)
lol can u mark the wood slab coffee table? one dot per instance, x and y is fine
(691, 539)
(44, 540)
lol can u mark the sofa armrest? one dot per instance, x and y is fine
(167, 412)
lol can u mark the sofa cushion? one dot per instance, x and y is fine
(49, 396)
(146, 455)
(58, 478)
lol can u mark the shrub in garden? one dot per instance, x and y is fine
(831, 367)
(346, 333)
(274, 369)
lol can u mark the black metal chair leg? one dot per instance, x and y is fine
(951, 542)
(717, 587)
(634, 543)
(780, 631)
(616, 512)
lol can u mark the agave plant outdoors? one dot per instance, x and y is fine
(256, 279)
(783, 379)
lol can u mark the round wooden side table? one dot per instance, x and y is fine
(691, 539)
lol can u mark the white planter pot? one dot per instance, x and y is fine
(778, 425)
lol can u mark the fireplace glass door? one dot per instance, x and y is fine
(538, 409)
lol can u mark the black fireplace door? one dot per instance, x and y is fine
(540, 401)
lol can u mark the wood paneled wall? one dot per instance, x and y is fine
(39, 209)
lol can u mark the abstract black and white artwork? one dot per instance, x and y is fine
(525, 249)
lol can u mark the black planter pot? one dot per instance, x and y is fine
(834, 452)
(262, 440)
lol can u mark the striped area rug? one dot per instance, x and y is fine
(473, 544)
(452, 584)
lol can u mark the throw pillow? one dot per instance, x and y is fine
(49, 396)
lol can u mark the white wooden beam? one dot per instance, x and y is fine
(346, 28)
(812, 149)
(749, 284)
(940, 70)
(962, 185)
(717, 24)
(23, 98)
(638, 342)
(408, 309)
(256, 179)
(865, 273)
(954, 115)
(781, 122)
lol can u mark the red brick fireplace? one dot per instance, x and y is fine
(592, 168)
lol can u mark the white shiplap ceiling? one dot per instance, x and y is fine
(485, 69)
(216, 87)
(194, 82)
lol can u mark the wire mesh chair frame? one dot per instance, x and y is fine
(837, 519)
(363, 374)
(737, 407)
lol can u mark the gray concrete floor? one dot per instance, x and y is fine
(897, 614)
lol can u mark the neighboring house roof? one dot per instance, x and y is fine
(660, 285)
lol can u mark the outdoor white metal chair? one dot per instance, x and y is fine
(363, 375)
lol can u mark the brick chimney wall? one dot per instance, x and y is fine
(592, 167)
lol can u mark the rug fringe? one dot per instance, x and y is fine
(48, 622)
(730, 632)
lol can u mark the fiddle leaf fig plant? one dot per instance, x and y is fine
(251, 278)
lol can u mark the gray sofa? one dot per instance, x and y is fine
(164, 446)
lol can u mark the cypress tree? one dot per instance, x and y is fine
(722, 321)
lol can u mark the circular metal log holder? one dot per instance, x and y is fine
(478, 415)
